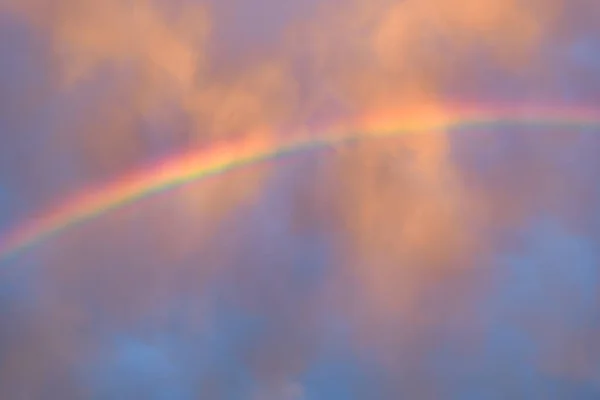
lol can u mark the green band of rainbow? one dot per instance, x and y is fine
(251, 149)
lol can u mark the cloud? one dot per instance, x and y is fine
(409, 244)
(114, 68)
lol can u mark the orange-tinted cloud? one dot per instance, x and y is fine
(128, 75)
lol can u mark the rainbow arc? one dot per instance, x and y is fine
(225, 156)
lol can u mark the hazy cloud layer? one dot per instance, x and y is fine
(457, 264)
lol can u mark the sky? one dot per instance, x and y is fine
(440, 261)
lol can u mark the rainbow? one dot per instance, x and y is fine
(253, 148)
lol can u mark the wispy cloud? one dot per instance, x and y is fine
(450, 262)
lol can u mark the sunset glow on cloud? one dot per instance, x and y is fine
(315, 199)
